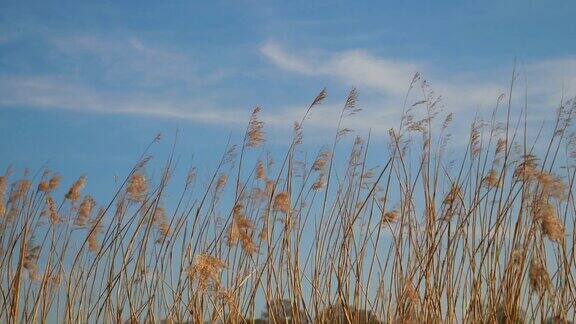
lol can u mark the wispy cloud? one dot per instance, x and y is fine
(131, 60)
(391, 76)
(56, 92)
(128, 75)
(355, 67)
(119, 76)
(385, 82)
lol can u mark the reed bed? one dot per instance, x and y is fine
(408, 232)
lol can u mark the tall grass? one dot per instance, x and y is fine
(479, 235)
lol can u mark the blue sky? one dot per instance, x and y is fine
(84, 86)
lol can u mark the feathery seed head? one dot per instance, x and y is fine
(20, 190)
(43, 186)
(527, 169)
(319, 98)
(321, 161)
(551, 186)
(137, 187)
(74, 191)
(453, 195)
(260, 171)
(538, 277)
(94, 231)
(54, 183)
(51, 211)
(241, 230)
(221, 182)
(491, 180)
(320, 183)
(552, 227)
(298, 133)
(282, 202)
(84, 211)
(270, 186)
(389, 217)
(160, 220)
(206, 270)
(255, 135)
(30, 262)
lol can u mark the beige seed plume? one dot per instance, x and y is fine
(447, 120)
(137, 187)
(545, 214)
(321, 161)
(282, 202)
(453, 195)
(30, 263)
(491, 180)
(551, 186)
(410, 295)
(54, 183)
(191, 176)
(320, 166)
(389, 217)
(84, 211)
(260, 171)
(270, 187)
(501, 145)
(49, 185)
(475, 138)
(12, 213)
(257, 195)
(74, 191)
(538, 277)
(320, 183)
(3, 185)
(160, 220)
(264, 230)
(298, 133)
(94, 231)
(255, 134)
(2, 206)
(527, 169)
(552, 227)
(319, 98)
(221, 182)
(20, 190)
(51, 211)
(542, 209)
(516, 257)
(206, 270)
(43, 186)
(351, 99)
(248, 245)
(237, 217)
(241, 231)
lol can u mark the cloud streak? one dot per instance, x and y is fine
(391, 76)
(384, 83)
(55, 92)
(116, 75)
(119, 76)
(356, 67)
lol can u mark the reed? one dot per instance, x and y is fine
(402, 233)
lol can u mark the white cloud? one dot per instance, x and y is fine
(357, 68)
(384, 82)
(57, 92)
(286, 61)
(160, 81)
(133, 61)
(392, 76)
(120, 76)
